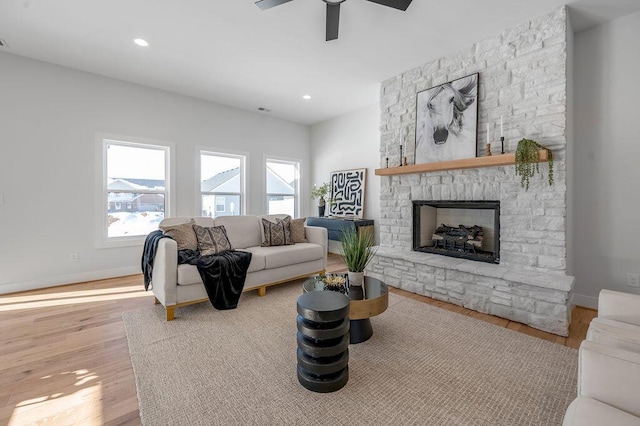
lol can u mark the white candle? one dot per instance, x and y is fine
(501, 128)
(488, 137)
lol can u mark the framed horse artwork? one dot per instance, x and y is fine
(447, 121)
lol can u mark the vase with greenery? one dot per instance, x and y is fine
(357, 250)
(528, 161)
(319, 193)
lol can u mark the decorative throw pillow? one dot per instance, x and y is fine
(287, 229)
(297, 230)
(212, 240)
(183, 234)
(277, 234)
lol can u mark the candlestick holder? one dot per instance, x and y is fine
(401, 155)
(502, 143)
(404, 161)
(488, 150)
(387, 162)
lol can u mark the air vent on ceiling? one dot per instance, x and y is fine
(3, 44)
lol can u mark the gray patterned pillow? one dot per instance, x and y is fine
(212, 240)
(183, 234)
(277, 234)
(297, 230)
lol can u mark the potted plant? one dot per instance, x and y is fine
(527, 161)
(320, 192)
(357, 250)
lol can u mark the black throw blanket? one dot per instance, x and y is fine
(223, 274)
(148, 254)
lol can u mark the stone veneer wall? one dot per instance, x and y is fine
(522, 77)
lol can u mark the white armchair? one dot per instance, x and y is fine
(609, 365)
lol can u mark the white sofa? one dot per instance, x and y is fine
(609, 365)
(176, 285)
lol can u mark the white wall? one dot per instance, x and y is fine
(49, 116)
(607, 149)
(351, 141)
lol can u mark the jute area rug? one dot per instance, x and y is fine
(423, 366)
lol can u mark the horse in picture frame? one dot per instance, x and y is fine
(446, 121)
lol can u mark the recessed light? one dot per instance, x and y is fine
(141, 42)
(306, 97)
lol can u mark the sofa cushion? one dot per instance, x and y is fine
(297, 230)
(288, 255)
(188, 274)
(243, 231)
(258, 262)
(183, 234)
(212, 240)
(277, 234)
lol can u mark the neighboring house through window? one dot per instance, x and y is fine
(222, 183)
(135, 189)
(220, 207)
(282, 177)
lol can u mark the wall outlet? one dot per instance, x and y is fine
(73, 257)
(633, 280)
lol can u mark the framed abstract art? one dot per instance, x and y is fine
(347, 193)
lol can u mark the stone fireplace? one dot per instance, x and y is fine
(463, 229)
(523, 78)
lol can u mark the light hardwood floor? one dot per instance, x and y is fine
(64, 358)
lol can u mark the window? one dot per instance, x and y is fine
(282, 187)
(222, 186)
(220, 205)
(135, 188)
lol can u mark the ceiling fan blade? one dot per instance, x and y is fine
(396, 4)
(268, 4)
(333, 21)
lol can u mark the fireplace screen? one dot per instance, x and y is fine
(465, 229)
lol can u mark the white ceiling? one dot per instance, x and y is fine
(233, 53)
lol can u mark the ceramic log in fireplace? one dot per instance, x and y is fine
(464, 229)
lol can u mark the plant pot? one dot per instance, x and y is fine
(356, 279)
(321, 211)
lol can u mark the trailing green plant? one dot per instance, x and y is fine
(357, 249)
(528, 161)
(320, 192)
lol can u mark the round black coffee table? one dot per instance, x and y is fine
(366, 301)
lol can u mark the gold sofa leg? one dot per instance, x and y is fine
(262, 291)
(170, 313)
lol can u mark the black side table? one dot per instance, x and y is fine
(323, 341)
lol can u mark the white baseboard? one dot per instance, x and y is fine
(585, 301)
(68, 279)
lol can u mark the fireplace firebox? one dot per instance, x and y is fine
(464, 229)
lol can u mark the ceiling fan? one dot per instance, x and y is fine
(333, 11)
